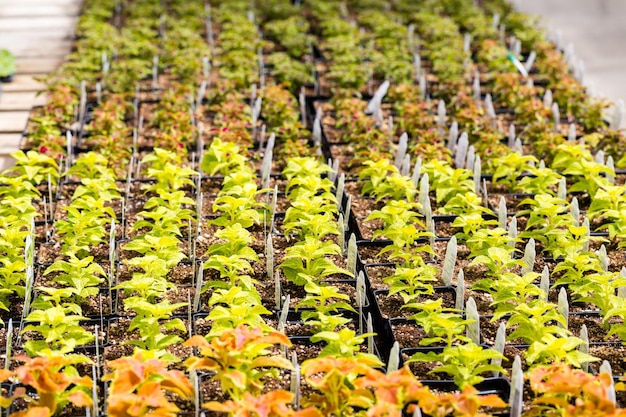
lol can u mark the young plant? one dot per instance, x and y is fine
(562, 391)
(142, 385)
(599, 289)
(311, 216)
(333, 380)
(383, 180)
(323, 305)
(482, 240)
(511, 167)
(56, 381)
(552, 349)
(13, 265)
(442, 325)
(467, 403)
(468, 203)
(301, 168)
(447, 181)
(344, 343)
(152, 282)
(58, 323)
(402, 211)
(576, 161)
(152, 320)
(163, 215)
(232, 258)
(550, 223)
(84, 227)
(82, 276)
(290, 72)
(223, 158)
(536, 320)
(34, 167)
(498, 261)
(471, 223)
(412, 282)
(240, 358)
(234, 307)
(510, 290)
(542, 180)
(393, 391)
(307, 260)
(168, 176)
(466, 363)
(237, 202)
(164, 248)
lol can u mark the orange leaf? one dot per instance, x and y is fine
(271, 362)
(124, 380)
(201, 363)
(82, 381)
(275, 338)
(237, 378)
(80, 399)
(197, 341)
(178, 383)
(492, 400)
(121, 406)
(5, 374)
(216, 406)
(151, 394)
(5, 402)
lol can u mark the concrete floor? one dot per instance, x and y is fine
(597, 28)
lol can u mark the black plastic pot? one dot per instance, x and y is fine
(294, 318)
(302, 343)
(350, 282)
(379, 245)
(383, 326)
(7, 78)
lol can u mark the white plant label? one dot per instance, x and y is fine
(394, 358)
(449, 261)
(459, 303)
(473, 327)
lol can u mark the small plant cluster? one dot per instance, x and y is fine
(369, 143)
(174, 121)
(126, 51)
(237, 209)
(343, 45)
(76, 277)
(280, 113)
(413, 276)
(311, 220)
(109, 134)
(239, 41)
(292, 44)
(20, 193)
(166, 214)
(231, 120)
(48, 127)
(555, 224)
